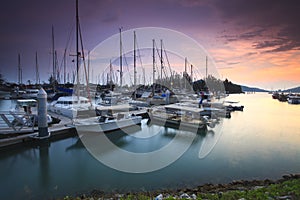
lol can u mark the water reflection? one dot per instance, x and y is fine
(75, 146)
(258, 143)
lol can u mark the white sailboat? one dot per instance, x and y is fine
(75, 105)
(71, 106)
(110, 118)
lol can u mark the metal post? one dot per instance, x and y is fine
(42, 113)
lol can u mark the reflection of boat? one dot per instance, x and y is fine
(106, 123)
(77, 145)
(71, 106)
(233, 106)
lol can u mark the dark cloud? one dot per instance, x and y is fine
(269, 23)
(270, 43)
(250, 54)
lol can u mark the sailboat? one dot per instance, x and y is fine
(106, 122)
(73, 106)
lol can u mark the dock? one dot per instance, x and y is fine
(12, 136)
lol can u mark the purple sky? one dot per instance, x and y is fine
(253, 42)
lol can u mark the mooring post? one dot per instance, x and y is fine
(42, 113)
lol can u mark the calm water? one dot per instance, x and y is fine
(260, 142)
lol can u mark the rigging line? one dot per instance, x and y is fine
(126, 63)
(157, 51)
(163, 67)
(85, 70)
(139, 55)
(168, 61)
(70, 36)
(161, 58)
(197, 72)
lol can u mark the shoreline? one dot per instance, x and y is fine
(289, 183)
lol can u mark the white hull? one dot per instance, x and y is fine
(91, 124)
(70, 106)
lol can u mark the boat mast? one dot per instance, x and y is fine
(206, 68)
(65, 65)
(121, 70)
(144, 78)
(134, 59)
(185, 73)
(53, 58)
(110, 75)
(89, 64)
(161, 62)
(192, 73)
(37, 77)
(77, 47)
(185, 63)
(57, 72)
(19, 70)
(153, 54)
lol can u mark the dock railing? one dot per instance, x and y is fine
(16, 121)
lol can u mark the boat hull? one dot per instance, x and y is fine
(294, 100)
(178, 124)
(91, 125)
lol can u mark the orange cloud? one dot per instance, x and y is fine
(240, 62)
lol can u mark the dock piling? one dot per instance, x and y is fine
(42, 114)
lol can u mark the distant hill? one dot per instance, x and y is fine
(293, 90)
(232, 88)
(252, 89)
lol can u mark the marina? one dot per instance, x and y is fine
(244, 158)
(148, 110)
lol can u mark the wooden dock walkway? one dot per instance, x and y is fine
(13, 137)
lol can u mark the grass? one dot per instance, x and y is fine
(287, 189)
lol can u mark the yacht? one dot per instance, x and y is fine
(30, 94)
(294, 99)
(72, 106)
(181, 117)
(109, 118)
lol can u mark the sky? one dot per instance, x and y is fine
(251, 42)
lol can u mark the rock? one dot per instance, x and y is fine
(258, 187)
(296, 176)
(119, 196)
(159, 197)
(284, 197)
(184, 196)
(220, 194)
(268, 181)
(287, 176)
(193, 196)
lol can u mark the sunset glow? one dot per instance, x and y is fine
(250, 42)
